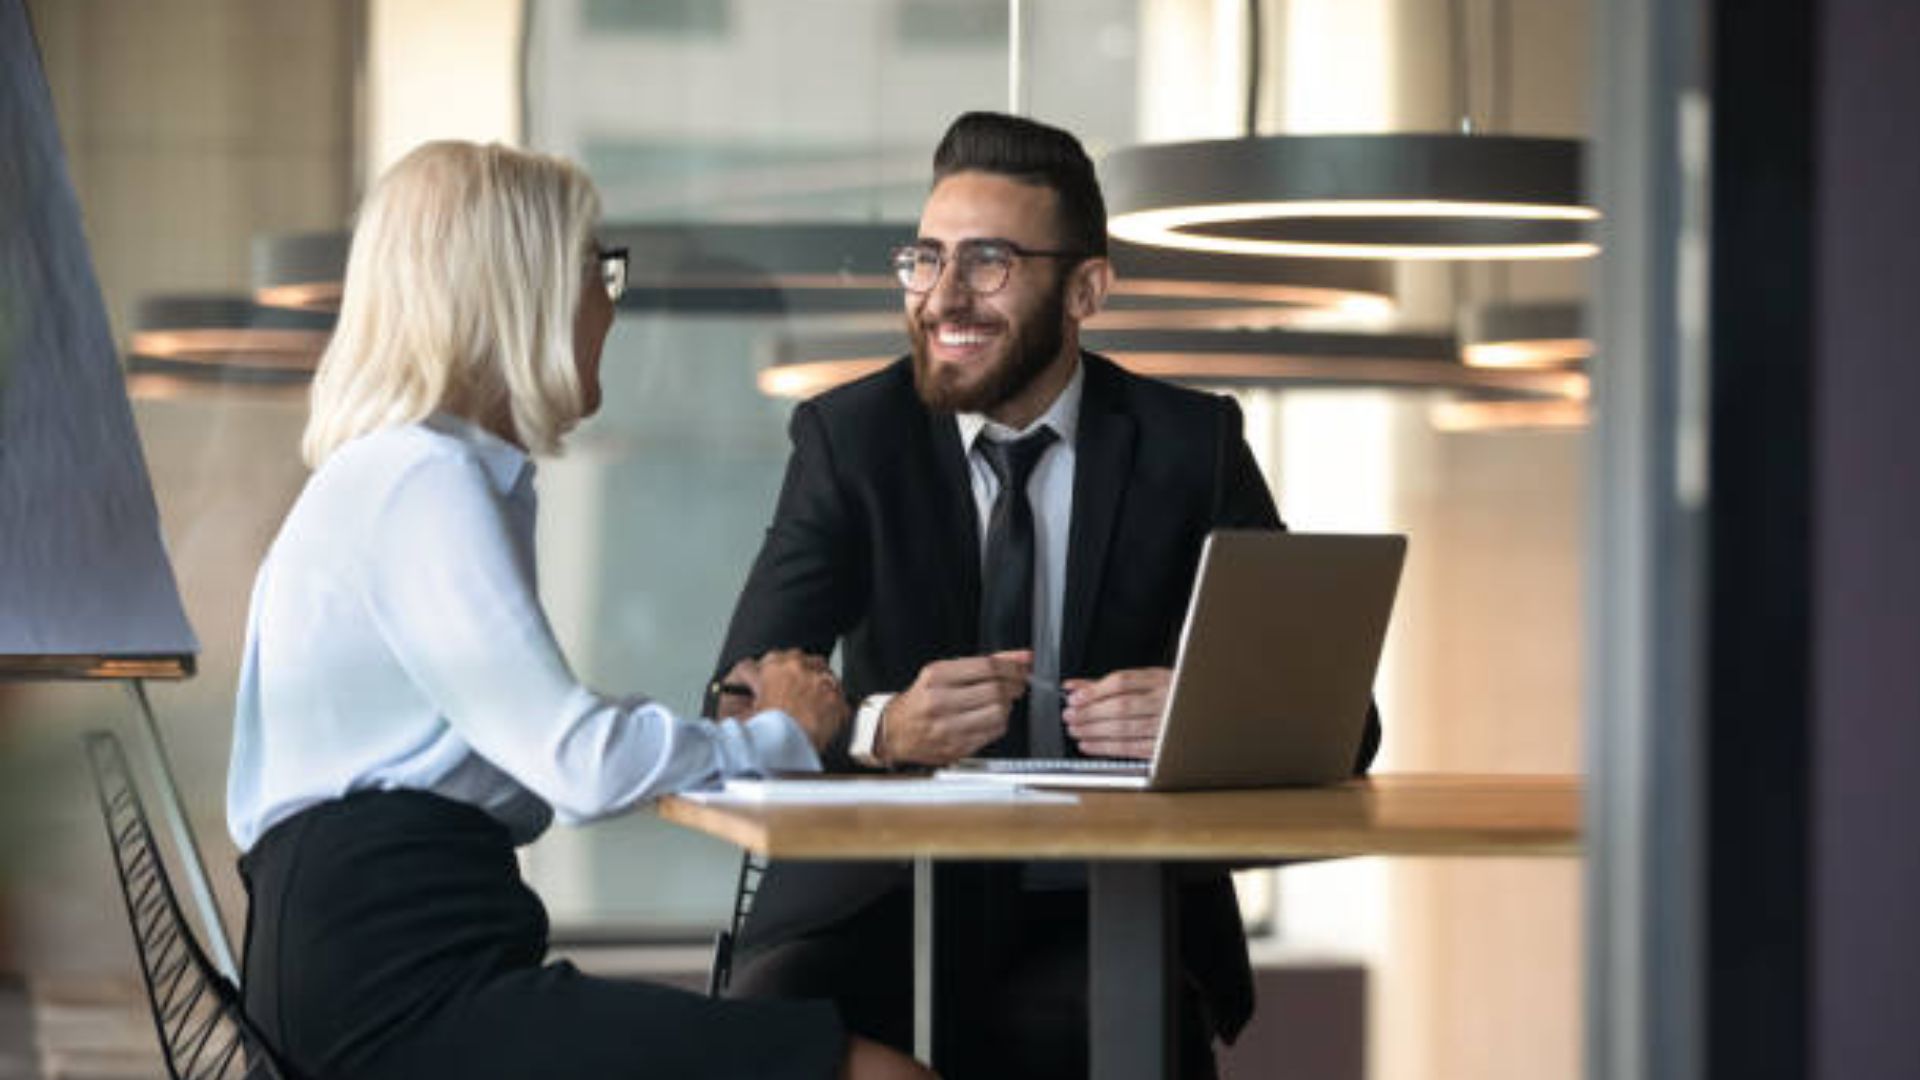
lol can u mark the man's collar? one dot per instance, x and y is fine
(507, 465)
(1063, 416)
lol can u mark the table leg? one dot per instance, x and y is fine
(923, 959)
(1132, 964)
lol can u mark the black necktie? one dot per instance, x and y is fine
(1006, 594)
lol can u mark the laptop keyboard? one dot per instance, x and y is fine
(1096, 766)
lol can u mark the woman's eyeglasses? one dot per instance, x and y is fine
(613, 271)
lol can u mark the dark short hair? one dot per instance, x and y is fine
(1032, 153)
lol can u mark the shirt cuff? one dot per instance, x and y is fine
(777, 742)
(864, 747)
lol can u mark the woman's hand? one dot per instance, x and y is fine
(803, 687)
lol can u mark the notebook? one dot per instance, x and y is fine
(1274, 674)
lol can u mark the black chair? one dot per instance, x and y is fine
(721, 975)
(204, 1035)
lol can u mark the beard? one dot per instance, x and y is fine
(1030, 348)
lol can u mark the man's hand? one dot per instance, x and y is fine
(953, 708)
(1118, 716)
(803, 687)
(728, 702)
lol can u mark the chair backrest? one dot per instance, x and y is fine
(204, 1035)
(720, 976)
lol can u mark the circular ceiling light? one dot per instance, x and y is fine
(185, 344)
(1424, 196)
(301, 271)
(1525, 335)
(1163, 288)
(804, 366)
(841, 271)
(1486, 417)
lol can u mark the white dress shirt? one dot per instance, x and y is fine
(396, 641)
(1050, 493)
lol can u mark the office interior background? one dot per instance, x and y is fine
(203, 134)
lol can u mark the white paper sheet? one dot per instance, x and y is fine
(789, 791)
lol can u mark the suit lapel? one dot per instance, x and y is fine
(1103, 460)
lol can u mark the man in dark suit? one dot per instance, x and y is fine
(1000, 532)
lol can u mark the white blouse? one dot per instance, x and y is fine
(396, 641)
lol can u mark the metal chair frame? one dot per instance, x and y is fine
(204, 1033)
(748, 883)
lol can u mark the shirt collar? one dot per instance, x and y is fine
(1063, 416)
(508, 467)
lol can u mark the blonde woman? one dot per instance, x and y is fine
(405, 717)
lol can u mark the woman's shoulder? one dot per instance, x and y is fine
(409, 455)
(403, 446)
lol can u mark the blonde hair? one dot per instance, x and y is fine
(461, 286)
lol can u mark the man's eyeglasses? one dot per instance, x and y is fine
(983, 265)
(613, 271)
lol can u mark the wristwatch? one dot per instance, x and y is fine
(865, 744)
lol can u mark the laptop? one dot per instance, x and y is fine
(1274, 674)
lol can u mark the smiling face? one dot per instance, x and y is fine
(1007, 353)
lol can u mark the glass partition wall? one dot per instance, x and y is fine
(714, 115)
(738, 115)
(759, 112)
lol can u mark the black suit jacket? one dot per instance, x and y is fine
(875, 546)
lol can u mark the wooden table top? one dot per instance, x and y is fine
(1389, 814)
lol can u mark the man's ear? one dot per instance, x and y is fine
(1087, 288)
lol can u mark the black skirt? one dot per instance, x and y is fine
(389, 935)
